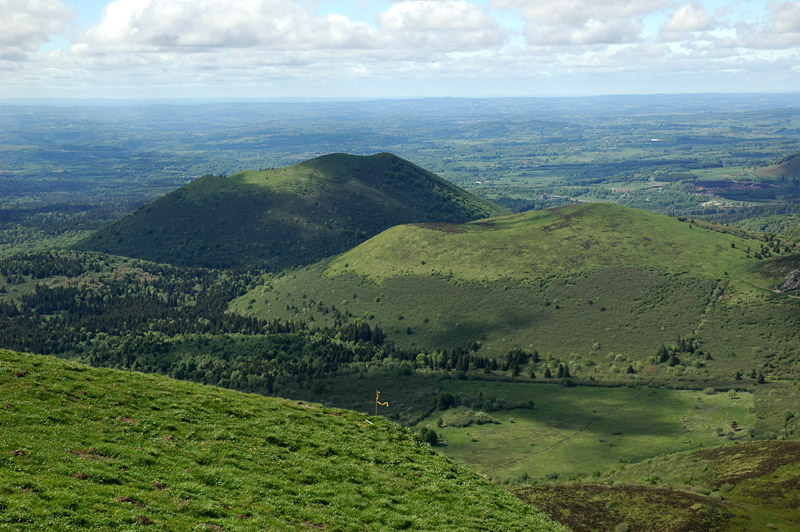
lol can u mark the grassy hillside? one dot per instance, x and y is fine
(87, 448)
(598, 508)
(788, 166)
(288, 216)
(542, 244)
(787, 225)
(601, 285)
(742, 488)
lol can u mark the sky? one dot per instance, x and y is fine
(226, 49)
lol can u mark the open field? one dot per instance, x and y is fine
(580, 432)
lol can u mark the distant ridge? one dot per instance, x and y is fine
(289, 216)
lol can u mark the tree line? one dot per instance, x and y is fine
(136, 315)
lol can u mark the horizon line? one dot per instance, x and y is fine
(356, 99)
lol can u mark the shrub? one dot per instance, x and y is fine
(431, 437)
(470, 417)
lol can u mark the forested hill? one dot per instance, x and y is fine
(96, 449)
(289, 216)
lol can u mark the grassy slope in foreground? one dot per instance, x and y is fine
(618, 280)
(287, 216)
(90, 448)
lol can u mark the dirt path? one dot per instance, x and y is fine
(773, 290)
(572, 436)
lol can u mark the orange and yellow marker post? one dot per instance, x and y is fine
(378, 401)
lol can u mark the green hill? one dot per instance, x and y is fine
(288, 216)
(600, 284)
(788, 166)
(742, 488)
(94, 449)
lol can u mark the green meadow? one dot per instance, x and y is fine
(582, 432)
(94, 449)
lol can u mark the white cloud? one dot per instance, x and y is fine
(576, 12)
(785, 17)
(686, 23)
(583, 22)
(287, 47)
(190, 26)
(689, 17)
(27, 24)
(781, 33)
(194, 25)
(271, 39)
(440, 25)
(591, 31)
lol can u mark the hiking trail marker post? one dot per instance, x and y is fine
(378, 401)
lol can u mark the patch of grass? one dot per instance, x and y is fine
(575, 432)
(86, 448)
(778, 410)
(463, 417)
(627, 311)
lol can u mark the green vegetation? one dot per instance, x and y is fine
(98, 449)
(286, 217)
(553, 243)
(787, 225)
(411, 394)
(548, 431)
(596, 508)
(748, 487)
(623, 282)
(131, 314)
(489, 339)
(78, 166)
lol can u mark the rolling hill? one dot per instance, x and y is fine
(87, 448)
(286, 217)
(788, 166)
(599, 284)
(742, 488)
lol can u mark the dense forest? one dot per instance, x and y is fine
(136, 315)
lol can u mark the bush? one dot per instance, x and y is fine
(470, 417)
(445, 401)
(429, 436)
